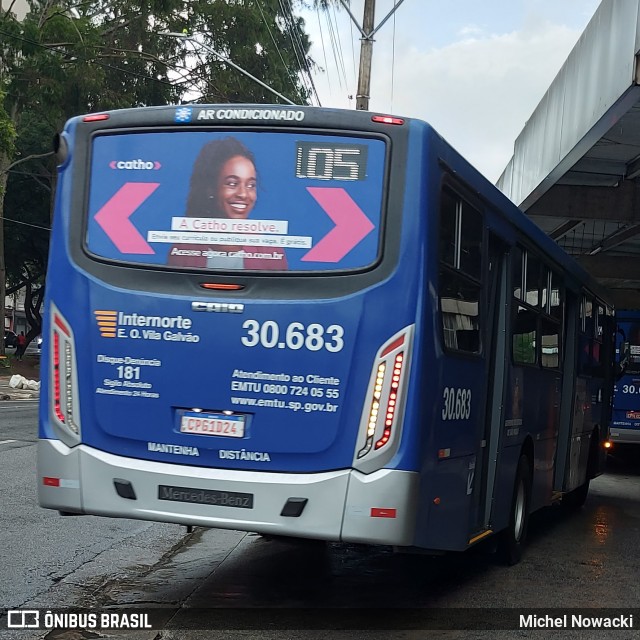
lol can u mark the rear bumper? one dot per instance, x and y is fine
(378, 508)
(624, 436)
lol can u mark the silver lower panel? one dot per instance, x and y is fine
(345, 505)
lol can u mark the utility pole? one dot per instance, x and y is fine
(368, 31)
(366, 53)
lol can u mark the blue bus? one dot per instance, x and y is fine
(311, 323)
(625, 422)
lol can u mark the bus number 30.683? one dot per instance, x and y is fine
(456, 404)
(313, 337)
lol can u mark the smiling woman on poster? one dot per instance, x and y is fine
(224, 186)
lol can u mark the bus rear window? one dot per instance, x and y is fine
(267, 201)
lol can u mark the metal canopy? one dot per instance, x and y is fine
(576, 164)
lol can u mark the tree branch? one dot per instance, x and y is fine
(33, 156)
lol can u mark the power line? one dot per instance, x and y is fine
(226, 60)
(338, 43)
(303, 63)
(26, 224)
(277, 48)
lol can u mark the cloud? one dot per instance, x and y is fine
(477, 92)
(470, 30)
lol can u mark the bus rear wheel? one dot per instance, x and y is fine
(514, 536)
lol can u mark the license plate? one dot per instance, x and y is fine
(212, 424)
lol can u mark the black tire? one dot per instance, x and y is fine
(513, 538)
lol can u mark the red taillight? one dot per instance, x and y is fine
(64, 393)
(387, 120)
(95, 117)
(221, 286)
(51, 482)
(392, 400)
(381, 419)
(57, 407)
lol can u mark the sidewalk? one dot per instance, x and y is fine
(29, 368)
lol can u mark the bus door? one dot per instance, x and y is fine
(567, 418)
(495, 350)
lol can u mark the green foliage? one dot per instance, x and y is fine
(67, 58)
(7, 130)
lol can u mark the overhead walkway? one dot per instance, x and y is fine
(576, 164)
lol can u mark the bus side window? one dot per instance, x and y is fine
(524, 336)
(556, 297)
(585, 339)
(550, 343)
(460, 305)
(525, 318)
(551, 339)
(516, 272)
(471, 241)
(461, 233)
(596, 346)
(533, 281)
(448, 228)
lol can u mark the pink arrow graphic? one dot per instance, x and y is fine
(115, 213)
(351, 225)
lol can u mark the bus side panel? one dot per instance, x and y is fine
(540, 415)
(452, 389)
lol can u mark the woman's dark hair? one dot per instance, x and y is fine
(203, 197)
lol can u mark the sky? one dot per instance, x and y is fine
(474, 69)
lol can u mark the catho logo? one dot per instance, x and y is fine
(138, 165)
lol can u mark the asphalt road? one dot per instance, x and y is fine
(269, 588)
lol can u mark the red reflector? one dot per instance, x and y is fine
(383, 513)
(392, 346)
(221, 286)
(387, 119)
(97, 116)
(51, 482)
(58, 322)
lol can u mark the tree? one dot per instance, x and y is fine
(7, 139)
(66, 59)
